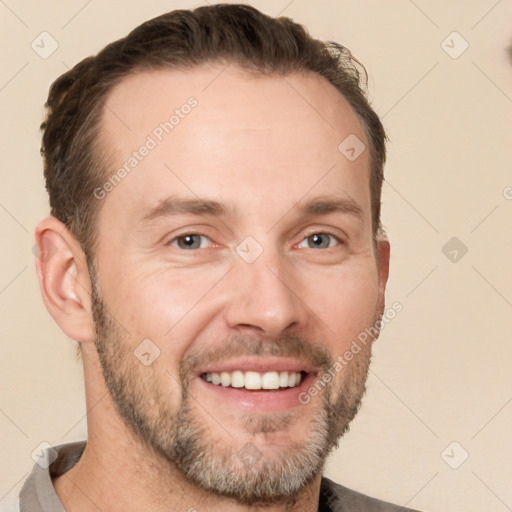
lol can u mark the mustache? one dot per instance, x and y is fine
(285, 345)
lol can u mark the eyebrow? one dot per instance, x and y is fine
(327, 205)
(182, 206)
(173, 206)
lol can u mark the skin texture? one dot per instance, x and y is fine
(261, 146)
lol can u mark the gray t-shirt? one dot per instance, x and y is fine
(38, 493)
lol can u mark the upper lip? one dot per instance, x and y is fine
(257, 364)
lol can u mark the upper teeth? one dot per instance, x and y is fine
(255, 380)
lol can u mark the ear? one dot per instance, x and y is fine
(383, 252)
(64, 279)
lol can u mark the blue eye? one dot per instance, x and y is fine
(320, 240)
(189, 241)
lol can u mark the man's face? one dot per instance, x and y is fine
(273, 282)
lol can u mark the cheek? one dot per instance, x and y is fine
(345, 300)
(173, 306)
(164, 305)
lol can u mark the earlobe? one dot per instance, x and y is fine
(64, 279)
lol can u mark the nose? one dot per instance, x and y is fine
(265, 296)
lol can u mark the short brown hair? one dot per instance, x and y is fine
(182, 39)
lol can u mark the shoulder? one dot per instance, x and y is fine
(37, 493)
(341, 499)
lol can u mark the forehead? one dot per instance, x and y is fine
(216, 130)
(230, 94)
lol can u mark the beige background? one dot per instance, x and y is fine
(441, 371)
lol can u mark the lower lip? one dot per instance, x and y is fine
(260, 400)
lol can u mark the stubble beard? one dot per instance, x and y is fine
(246, 473)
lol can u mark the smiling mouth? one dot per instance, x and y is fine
(255, 381)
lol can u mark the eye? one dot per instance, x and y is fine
(320, 241)
(189, 241)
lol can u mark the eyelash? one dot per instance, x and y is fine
(184, 235)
